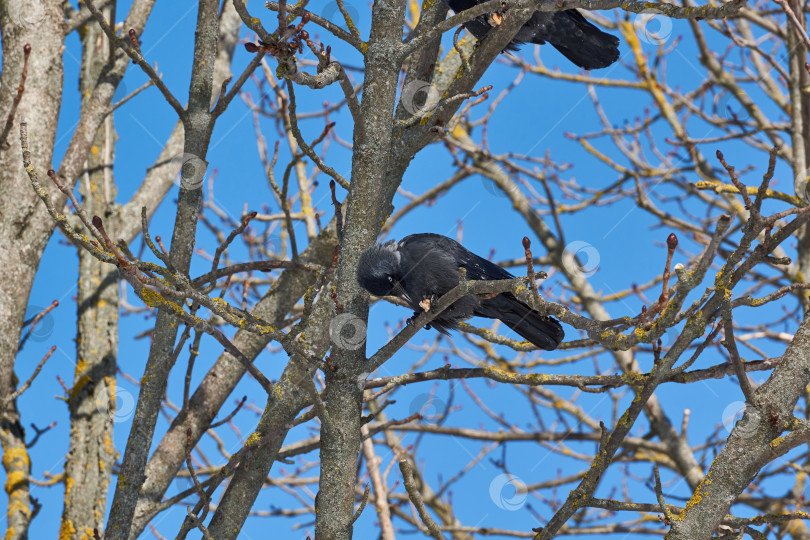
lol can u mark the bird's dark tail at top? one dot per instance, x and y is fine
(541, 330)
(581, 42)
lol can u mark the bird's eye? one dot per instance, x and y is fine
(391, 279)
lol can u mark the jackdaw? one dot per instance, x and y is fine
(420, 268)
(567, 31)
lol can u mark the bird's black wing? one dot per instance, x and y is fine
(477, 267)
(432, 256)
(574, 36)
(542, 330)
(478, 27)
(568, 31)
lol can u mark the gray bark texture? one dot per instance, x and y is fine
(292, 296)
(24, 224)
(92, 402)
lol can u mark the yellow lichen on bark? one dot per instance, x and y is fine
(697, 496)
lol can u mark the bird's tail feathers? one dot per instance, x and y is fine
(583, 43)
(541, 330)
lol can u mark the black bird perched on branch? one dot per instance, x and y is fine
(567, 31)
(420, 268)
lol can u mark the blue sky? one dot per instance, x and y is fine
(532, 119)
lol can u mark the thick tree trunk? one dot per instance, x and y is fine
(92, 403)
(25, 226)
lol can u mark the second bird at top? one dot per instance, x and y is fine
(567, 31)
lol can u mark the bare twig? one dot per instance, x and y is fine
(416, 499)
(27, 384)
(17, 98)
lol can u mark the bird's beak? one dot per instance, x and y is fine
(399, 291)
